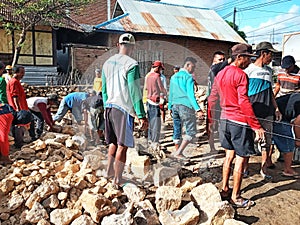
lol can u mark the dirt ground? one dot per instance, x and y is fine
(277, 200)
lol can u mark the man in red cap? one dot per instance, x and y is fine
(154, 88)
(237, 116)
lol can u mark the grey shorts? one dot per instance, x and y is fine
(237, 137)
(119, 127)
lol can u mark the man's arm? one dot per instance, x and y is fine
(104, 89)
(46, 114)
(133, 79)
(191, 94)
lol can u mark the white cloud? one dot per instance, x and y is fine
(275, 25)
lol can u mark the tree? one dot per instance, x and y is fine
(22, 15)
(236, 28)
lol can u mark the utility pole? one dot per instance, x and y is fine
(234, 12)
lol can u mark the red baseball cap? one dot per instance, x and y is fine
(158, 64)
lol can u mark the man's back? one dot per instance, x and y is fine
(117, 73)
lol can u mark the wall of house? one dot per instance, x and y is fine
(94, 13)
(170, 50)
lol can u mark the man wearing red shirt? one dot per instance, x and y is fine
(16, 97)
(237, 117)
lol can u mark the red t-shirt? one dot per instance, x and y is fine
(231, 86)
(15, 89)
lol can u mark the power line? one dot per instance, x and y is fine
(260, 10)
(268, 34)
(273, 24)
(262, 5)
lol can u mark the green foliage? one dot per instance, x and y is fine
(236, 28)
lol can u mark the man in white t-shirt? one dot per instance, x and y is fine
(40, 109)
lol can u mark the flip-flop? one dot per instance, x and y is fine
(180, 157)
(242, 203)
(291, 175)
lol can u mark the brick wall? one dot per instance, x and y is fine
(171, 50)
(94, 13)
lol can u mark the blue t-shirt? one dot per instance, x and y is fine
(75, 99)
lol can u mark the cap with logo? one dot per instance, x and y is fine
(158, 64)
(127, 39)
(242, 49)
(287, 62)
(265, 46)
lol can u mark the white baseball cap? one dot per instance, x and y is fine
(126, 39)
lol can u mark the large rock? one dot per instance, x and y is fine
(146, 214)
(140, 166)
(134, 193)
(189, 183)
(206, 193)
(46, 189)
(64, 216)
(119, 219)
(188, 215)
(166, 176)
(93, 158)
(96, 205)
(167, 198)
(37, 213)
(83, 220)
(213, 210)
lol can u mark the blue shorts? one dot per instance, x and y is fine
(237, 137)
(283, 137)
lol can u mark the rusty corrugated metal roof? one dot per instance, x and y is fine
(162, 18)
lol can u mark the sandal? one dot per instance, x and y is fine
(242, 203)
(180, 157)
(265, 176)
(294, 175)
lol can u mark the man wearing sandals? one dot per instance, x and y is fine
(122, 98)
(237, 117)
(183, 105)
(263, 101)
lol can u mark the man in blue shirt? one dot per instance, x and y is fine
(73, 102)
(183, 104)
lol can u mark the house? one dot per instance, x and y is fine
(163, 32)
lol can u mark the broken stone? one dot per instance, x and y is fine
(83, 220)
(206, 193)
(166, 176)
(119, 219)
(6, 185)
(146, 214)
(43, 222)
(167, 198)
(43, 191)
(37, 213)
(188, 215)
(96, 205)
(64, 216)
(134, 193)
(187, 184)
(62, 195)
(93, 158)
(111, 191)
(140, 166)
(51, 202)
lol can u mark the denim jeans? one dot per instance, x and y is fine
(63, 109)
(153, 112)
(183, 117)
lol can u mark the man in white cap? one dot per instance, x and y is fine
(122, 98)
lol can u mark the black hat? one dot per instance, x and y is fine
(287, 62)
(53, 97)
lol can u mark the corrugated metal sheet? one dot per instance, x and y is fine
(162, 18)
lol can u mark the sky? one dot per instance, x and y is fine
(266, 20)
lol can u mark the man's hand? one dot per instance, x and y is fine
(260, 135)
(143, 123)
(278, 115)
(200, 114)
